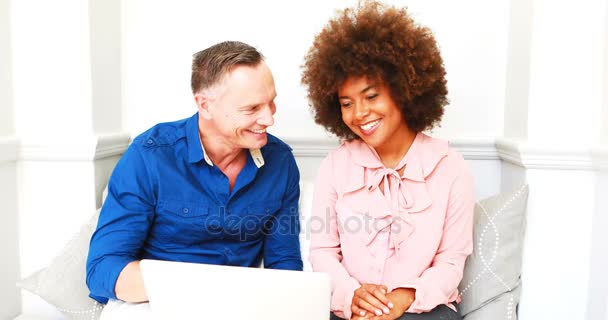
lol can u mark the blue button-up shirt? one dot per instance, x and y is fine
(167, 201)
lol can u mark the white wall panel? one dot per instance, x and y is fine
(160, 37)
(51, 68)
(9, 246)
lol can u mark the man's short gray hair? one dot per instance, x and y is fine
(211, 64)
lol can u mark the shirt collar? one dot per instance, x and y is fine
(205, 156)
(196, 150)
(420, 160)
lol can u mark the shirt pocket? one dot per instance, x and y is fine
(179, 223)
(183, 209)
(259, 218)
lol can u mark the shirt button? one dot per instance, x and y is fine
(150, 141)
(185, 210)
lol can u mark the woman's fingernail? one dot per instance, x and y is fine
(378, 312)
(390, 305)
(362, 313)
(386, 310)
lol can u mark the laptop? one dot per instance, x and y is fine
(179, 290)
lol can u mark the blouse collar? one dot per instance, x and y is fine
(424, 155)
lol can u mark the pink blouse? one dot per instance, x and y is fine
(416, 234)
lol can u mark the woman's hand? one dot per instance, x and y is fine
(370, 300)
(402, 299)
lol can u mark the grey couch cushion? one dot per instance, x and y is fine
(62, 282)
(503, 307)
(491, 279)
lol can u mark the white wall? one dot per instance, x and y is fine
(67, 95)
(518, 69)
(604, 115)
(557, 246)
(553, 122)
(106, 65)
(161, 36)
(566, 85)
(598, 303)
(9, 247)
(51, 69)
(52, 100)
(598, 290)
(6, 95)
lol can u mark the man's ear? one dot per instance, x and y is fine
(203, 104)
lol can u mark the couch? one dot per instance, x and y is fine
(489, 289)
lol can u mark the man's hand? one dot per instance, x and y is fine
(130, 284)
(402, 299)
(370, 299)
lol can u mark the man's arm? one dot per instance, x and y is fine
(282, 241)
(130, 284)
(121, 231)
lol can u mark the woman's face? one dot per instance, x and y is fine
(370, 112)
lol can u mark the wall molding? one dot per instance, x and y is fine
(551, 157)
(470, 149)
(475, 149)
(311, 148)
(9, 149)
(600, 157)
(75, 149)
(520, 153)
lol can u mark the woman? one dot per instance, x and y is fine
(393, 207)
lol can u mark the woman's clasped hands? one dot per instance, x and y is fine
(374, 302)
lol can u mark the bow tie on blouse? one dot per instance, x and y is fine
(402, 197)
(395, 192)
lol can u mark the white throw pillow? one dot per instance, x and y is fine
(491, 276)
(62, 282)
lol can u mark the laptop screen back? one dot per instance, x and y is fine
(180, 290)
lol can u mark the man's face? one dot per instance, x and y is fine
(243, 106)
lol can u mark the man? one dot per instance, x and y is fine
(215, 188)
